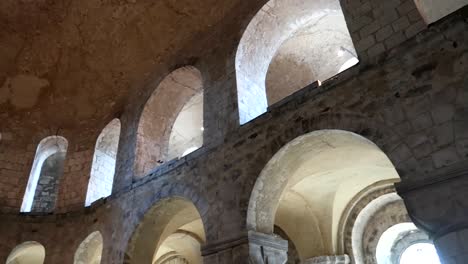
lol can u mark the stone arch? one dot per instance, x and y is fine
(174, 97)
(354, 208)
(431, 11)
(103, 168)
(171, 229)
(377, 217)
(90, 250)
(397, 239)
(30, 252)
(274, 41)
(49, 158)
(316, 160)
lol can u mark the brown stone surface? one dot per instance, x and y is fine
(87, 62)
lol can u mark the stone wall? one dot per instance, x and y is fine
(412, 105)
(377, 27)
(47, 187)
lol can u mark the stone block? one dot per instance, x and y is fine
(416, 106)
(369, 29)
(443, 113)
(366, 43)
(422, 122)
(443, 134)
(396, 39)
(461, 129)
(375, 50)
(400, 24)
(387, 17)
(402, 152)
(462, 147)
(384, 33)
(414, 29)
(406, 7)
(445, 157)
(422, 150)
(461, 114)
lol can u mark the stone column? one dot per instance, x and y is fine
(342, 259)
(453, 246)
(438, 204)
(267, 249)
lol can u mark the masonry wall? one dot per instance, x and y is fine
(412, 104)
(48, 184)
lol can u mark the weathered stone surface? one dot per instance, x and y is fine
(104, 59)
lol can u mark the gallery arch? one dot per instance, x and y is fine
(103, 168)
(171, 232)
(311, 188)
(288, 45)
(47, 168)
(90, 250)
(171, 124)
(30, 252)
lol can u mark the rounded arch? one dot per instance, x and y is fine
(396, 240)
(172, 227)
(378, 216)
(47, 147)
(90, 250)
(354, 208)
(285, 34)
(159, 116)
(312, 179)
(103, 168)
(30, 252)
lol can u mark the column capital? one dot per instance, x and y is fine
(341, 259)
(437, 203)
(267, 249)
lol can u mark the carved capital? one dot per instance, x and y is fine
(267, 249)
(437, 204)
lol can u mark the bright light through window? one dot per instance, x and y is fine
(421, 253)
(189, 150)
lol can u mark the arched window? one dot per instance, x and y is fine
(404, 243)
(420, 252)
(47, 168)
(90, 250)
(27, 253)
(187, 131)
(171, 124)
(431, 10)
(103, 168)
(288, 45)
